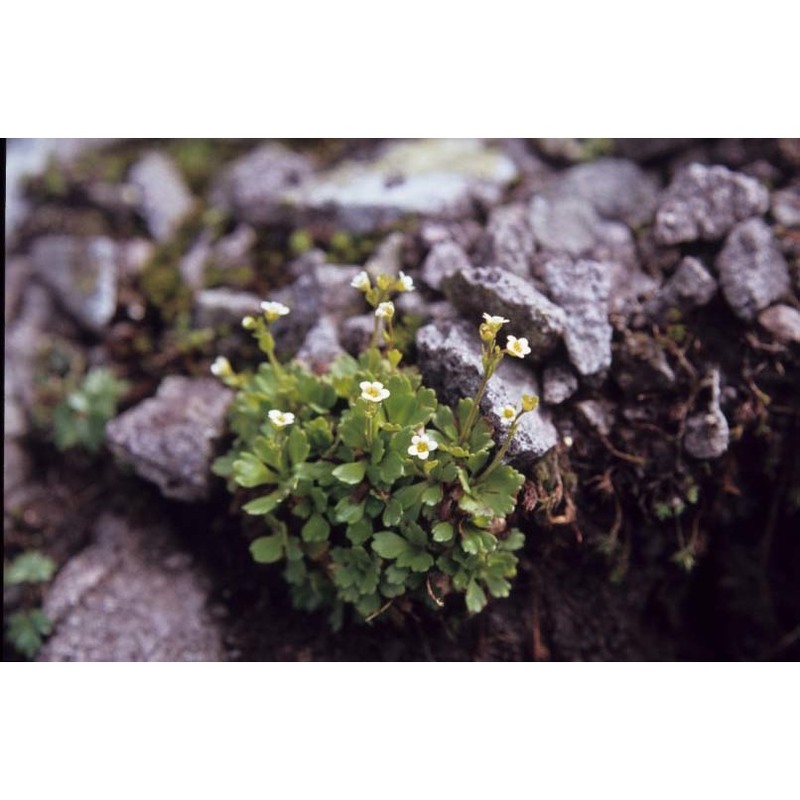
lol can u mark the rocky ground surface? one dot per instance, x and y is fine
(656, 280)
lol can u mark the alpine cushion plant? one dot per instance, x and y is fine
(371, 493)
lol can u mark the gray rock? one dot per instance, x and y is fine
(615, 188)
(508, 241)
(690, 287)
(782, 322)
(169, 439)
(564, 225)
(495, 291)
(215, 307)
(235, 249)
(251, 189)
(133, 257)
(707, 434)
(339, 298)
(18, 272)
(704, 203)
(356, 333)
(465, 233)
(586, 210)
(559, 384)
(321, 346)
(24, 338)
(332, 290)
(413, 303)
(132, 595)
(305, 300)
(17, 467)
(163, 199)
(582, 289)
(194, 261)
(445, 259)
(597, 414)
(442, 178)
(786, 206)
(450, 361)
(752, 271)
(26, 158)
(388, 256)
(641, 366)
(82, 274)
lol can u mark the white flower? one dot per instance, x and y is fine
(517, 347)
(272, 310)
(422, 445)
(374, 392)
(405, 283)
(508, 414)
(385, 310)
(361, 282)
(280, 419)
(221, 367)
(249, 323)
(495, 322)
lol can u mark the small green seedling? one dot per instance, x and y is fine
(26, 630)
(373, 494)
(80, 420)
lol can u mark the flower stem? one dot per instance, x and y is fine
(500, 454)
(475, 410)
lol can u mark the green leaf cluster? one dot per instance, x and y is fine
(352, 513)
(26, 630)
(80, 419)
(355, 519)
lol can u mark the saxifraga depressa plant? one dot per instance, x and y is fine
(371, 492)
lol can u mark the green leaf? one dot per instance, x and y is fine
(29, 567)
(352, 428)
(393, 512)
(320, 436)
(498, 491)
(378, 449)
(389, 545)
(298, 446)
(268, 450)
(476, 597)
(513, 540)
(316, 471)
(443, 532)
(416, 560)
(415, 535)
(498, 587)
(267, 549)
(248, 471)
(394, 574)
(223, 466)
(406, 405)
(351, 473)
(359, 532)
(410, 495)
(463, 410)
(316, 529)
(27, 629)
(444, 421)
(477, 541)
(347, 511)
(481, 438)
(392, 468)
(432, 495)
(266, 504)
